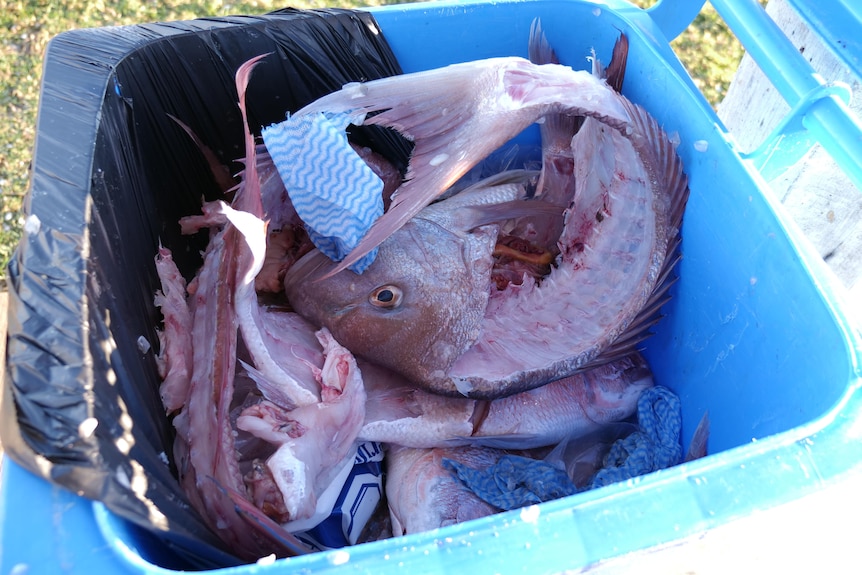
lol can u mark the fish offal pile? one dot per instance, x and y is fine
(499, 322)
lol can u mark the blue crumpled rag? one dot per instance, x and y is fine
(654, 445)
(332, 189)
(515, 481)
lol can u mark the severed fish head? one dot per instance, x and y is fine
(415, 310)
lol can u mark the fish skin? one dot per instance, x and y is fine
(399, 413)
(616, 249)
(567, 408)
(583, 457)
(423, 495)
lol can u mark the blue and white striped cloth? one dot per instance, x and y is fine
(332, 189)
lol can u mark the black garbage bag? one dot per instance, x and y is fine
(112, 174)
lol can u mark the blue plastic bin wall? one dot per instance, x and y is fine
(754, 334)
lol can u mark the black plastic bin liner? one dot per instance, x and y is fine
(112, 173)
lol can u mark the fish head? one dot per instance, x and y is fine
(415, 310)
(611, 391)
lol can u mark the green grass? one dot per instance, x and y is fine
(708, 51)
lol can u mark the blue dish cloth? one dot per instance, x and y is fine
(515, 481)
(654, 445)
(332, 189)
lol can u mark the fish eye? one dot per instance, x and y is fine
(386, 297)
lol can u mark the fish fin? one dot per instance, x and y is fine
(581, 456)
(482, 215)
(650, 139)
(480, 412)
(398, 527)
(272, 392)
(539, 50)
(437, 162)
(313, 266)
(698, 446)
(524, 177)
(638, 330)
(456, 116)
(504, 196)
(248, 198)
(557, 130)
(615, 73)
(220, 172)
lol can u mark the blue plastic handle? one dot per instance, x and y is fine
(674, 16)
(818, 107)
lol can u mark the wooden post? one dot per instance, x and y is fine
(815, 192)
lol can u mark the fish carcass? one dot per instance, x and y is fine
(263, 425)
(563, 410)
(616, 249)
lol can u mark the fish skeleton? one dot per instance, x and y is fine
(616, 249)
(286, 392)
